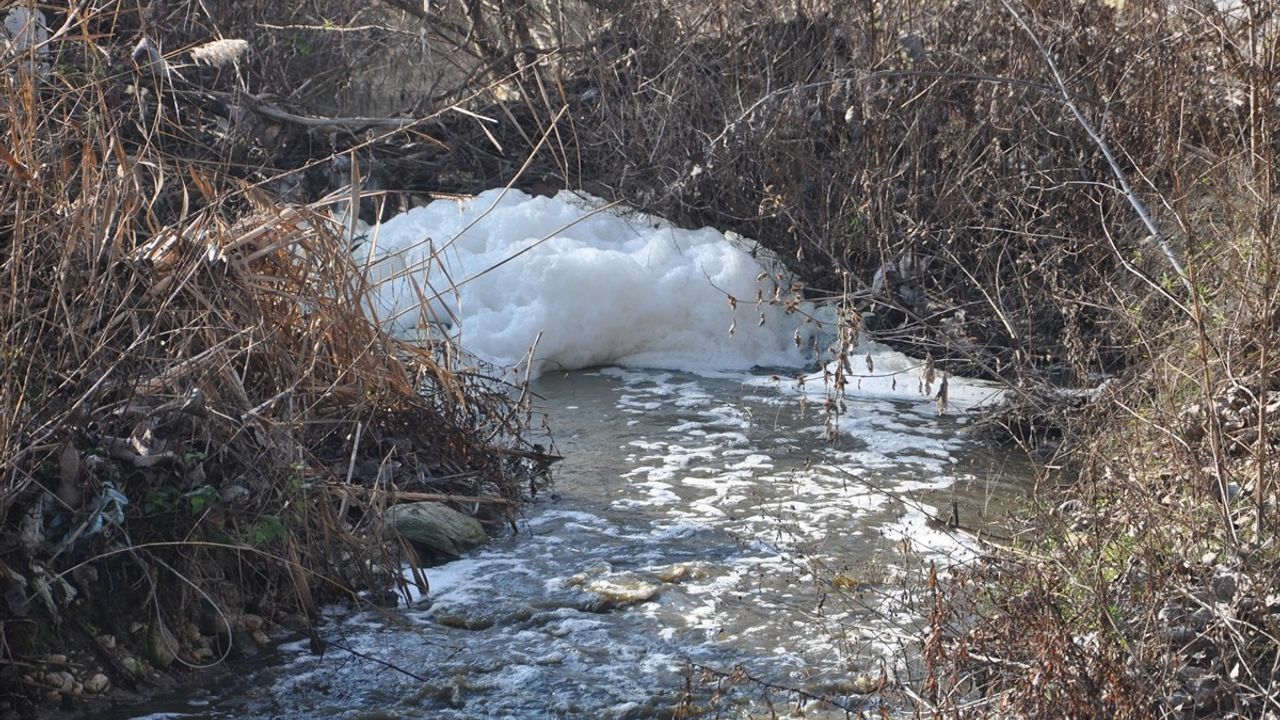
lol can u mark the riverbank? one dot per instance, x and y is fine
(1076, 197)
(201, 429)
(696, 524)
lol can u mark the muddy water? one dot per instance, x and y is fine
(695, 520)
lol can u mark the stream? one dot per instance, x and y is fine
(704, 522)
(697, 522)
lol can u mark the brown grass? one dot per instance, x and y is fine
(842, 136)
(196, 413)
(846, 135)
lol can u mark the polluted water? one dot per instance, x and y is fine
(718, 514)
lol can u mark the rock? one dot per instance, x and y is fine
(97, 684)
(1070, 508)
(201, 654)
(61, 681)
(243, 643)
(251, 622)
(1205, 691)
(162, 647)
(609, 590)
(1225, 586)
(679, 572)
(296, 622)
(1201, 618)
(463, 622)
(436, 527)
(864, 684)
(134, 666)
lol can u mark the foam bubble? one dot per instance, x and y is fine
(505, 270)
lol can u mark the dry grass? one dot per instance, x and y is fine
(841, 135)
(196, 414)
(844, 136)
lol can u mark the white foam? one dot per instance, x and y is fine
(505, 270)
(916, 526)
(877, 371)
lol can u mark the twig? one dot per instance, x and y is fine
(740, 673)
(389, 665)
(262, 107)
(1130, 195)
(406, 495)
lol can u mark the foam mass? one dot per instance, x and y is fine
(591, 287)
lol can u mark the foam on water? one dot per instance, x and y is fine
(877, 371)
(583, 285)
(590, 287)
(726, 471)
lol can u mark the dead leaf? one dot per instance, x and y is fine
(14, 164)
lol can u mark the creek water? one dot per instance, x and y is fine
(696, 522)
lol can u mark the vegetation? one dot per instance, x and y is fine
(1077, 196)
(199, 424)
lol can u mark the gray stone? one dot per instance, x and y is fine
(436, 527)
(606, 590)
(1225, 586)
(162, 647)
(97, 684)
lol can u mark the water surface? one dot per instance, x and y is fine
(695, 522)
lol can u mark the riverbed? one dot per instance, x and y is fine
(698, 524)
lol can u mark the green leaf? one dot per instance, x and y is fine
(268, 529)
(158, 502)
(201, 498)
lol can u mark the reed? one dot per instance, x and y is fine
(198, 415)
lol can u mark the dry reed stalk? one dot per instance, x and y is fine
(184, 359)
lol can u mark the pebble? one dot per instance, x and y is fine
(261, 638)
(162, 646)
(865, 685)
(251, 622)
(200, 654)
(295, 621)
(97, 684)
(61, 681)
